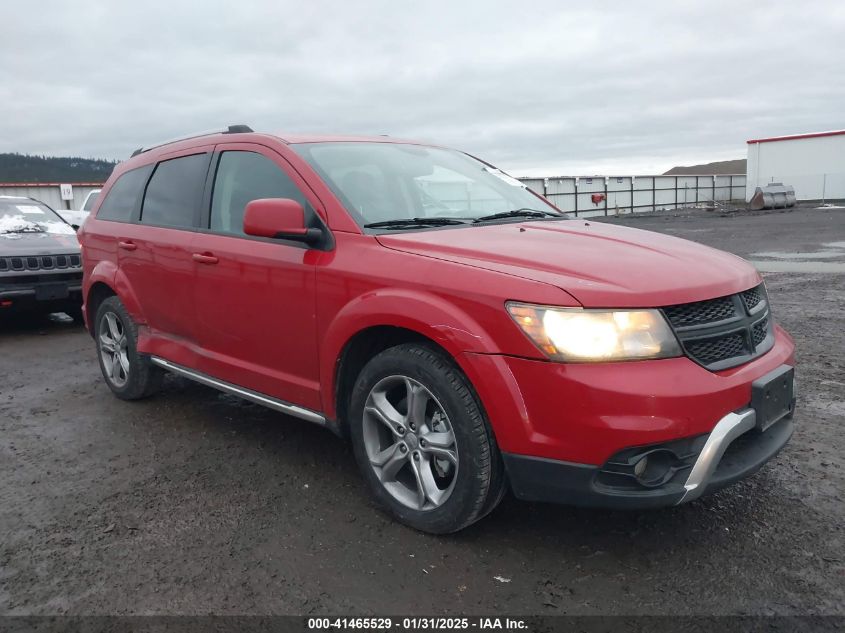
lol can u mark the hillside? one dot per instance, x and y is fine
(26, 168)
(720, 167)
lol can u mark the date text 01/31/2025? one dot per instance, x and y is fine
(417, 623)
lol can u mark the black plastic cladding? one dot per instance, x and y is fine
(726, 331)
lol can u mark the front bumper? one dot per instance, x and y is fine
(22, 297)
(734, 450)
(559, 426)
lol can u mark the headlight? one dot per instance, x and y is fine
(571, 334)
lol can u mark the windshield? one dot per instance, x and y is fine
(20, 215)
(384, 182)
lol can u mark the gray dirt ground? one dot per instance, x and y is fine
(195, 502)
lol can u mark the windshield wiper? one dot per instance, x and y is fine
(412, 222)
(518, 213)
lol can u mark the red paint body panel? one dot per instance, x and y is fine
(587, 412)
(362, 284)
(275, 317)
(600, 265)
(255, 318)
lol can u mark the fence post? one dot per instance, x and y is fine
(824, 187)
(632, 194)
(575, 184)
(605, 195)
(676, 192)
(714, 190)
(730, 188)
(653, 194)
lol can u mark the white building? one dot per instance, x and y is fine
(812, 163)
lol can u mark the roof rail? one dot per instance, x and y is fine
(232, 129)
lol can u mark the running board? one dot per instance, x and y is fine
(246, 394)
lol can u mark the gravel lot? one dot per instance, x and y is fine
(195, 502)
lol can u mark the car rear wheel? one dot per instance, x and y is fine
(128, 374)
(422, 441)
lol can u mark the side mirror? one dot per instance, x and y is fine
(279, 218)
(75, 227)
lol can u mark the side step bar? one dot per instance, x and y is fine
(246, 394)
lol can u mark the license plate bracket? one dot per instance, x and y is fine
(772, 396)
(51, 291)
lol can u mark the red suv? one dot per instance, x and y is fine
(462, 331)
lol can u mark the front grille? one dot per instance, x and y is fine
(720, 333)
(759, 331)
(752, 298)
(40, 262)
(700, 312)
(716, 349)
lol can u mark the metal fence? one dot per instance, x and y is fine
(611, 195)
(49, 193)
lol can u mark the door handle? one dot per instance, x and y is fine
(204, 258)
(127, 245)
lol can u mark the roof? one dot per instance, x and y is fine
(235, 133)
(795, 137)
(293, 139)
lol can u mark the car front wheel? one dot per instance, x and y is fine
(422, 440)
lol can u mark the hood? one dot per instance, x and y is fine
(14, 244)
(600, 265)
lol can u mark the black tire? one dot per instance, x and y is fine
(479, 483)
(143, 378)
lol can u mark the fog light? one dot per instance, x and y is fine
(640, 467)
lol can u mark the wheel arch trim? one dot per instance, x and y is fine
(424, 314)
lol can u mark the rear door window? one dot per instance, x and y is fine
(242, 177)
(122, 199)
(174, 194)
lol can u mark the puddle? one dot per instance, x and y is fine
(784, 255)
(797, 262)
(798, 267)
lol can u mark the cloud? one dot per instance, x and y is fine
(537, 88)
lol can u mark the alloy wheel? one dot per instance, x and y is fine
(113, 349)
(410, 443)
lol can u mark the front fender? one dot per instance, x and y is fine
(424, 313)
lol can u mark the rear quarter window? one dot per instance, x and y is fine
(122, 199)
(174, 193)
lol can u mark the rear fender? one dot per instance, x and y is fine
(108, 273)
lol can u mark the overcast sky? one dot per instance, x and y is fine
(538, 88)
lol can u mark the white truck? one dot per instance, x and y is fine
(77, 217)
